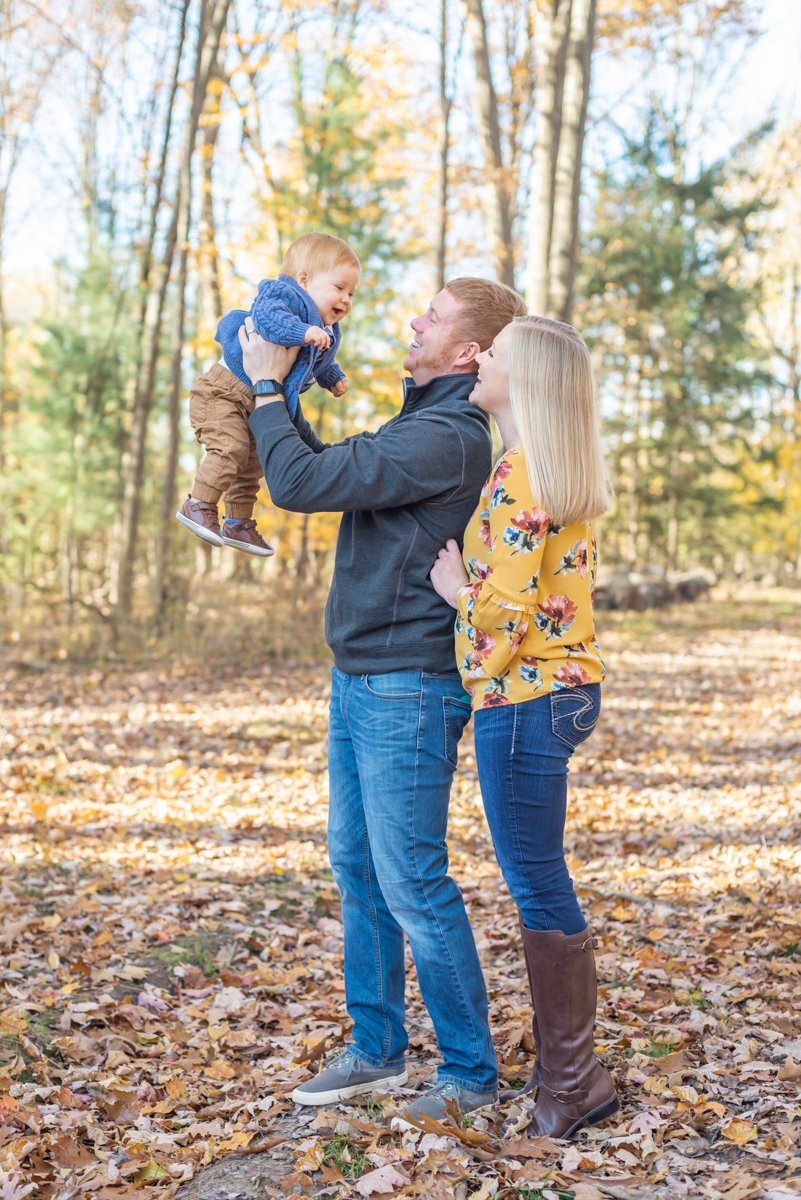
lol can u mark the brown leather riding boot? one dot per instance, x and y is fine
(574, 1088)
(534, 1078)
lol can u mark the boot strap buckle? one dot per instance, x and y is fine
(570, 1097)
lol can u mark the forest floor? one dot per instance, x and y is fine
(171, 950)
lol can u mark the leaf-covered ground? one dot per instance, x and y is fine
(171, 950)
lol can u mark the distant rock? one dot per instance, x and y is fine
(691, 585)
(618, 587)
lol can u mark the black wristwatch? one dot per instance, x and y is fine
(268, 387)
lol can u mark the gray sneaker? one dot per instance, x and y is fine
(433, 1103)
(347, 1076)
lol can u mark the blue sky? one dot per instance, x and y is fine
(44, 218)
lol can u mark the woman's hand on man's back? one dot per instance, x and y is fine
(448, 574)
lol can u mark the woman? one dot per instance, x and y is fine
(526, 648)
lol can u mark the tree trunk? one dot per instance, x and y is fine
(673, 534)
(3, 346)
(151, 333)
(632, 509)
(499, 214)
(30, 55)
(146, 264)
(793, 357)
(551, 33)
(167, 506)
(567, 182)
(146, 252)
(445, 103)
(209, 259)
(207, 251)
(303, 553)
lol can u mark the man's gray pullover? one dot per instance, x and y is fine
(403, 491)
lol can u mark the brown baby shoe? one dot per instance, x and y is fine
(202, 518)
(245, 536)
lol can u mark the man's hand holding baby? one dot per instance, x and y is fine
(264, 360)
(339, 388)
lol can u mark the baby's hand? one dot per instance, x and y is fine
(340, 387)
(317, 337)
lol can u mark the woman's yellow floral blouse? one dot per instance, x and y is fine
(525, 622)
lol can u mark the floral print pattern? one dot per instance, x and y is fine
(555, 616)
(530, 672)
(571, 675)
(526, 531)
(576, 559)
(515, 631)
(525, 624)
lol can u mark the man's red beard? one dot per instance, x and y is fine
(430, 360)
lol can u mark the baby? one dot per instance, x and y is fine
(302, 307)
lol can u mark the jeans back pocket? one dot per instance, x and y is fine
(575, 712)
(457, 714)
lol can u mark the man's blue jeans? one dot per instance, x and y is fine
(392, 747)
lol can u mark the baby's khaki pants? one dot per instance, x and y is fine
(219, 407)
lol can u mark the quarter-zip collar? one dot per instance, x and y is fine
(417, 396)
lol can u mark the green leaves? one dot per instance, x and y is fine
(670, 324)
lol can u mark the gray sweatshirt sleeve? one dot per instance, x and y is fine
(400, 465)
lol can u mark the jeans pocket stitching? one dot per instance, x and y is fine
(586, 728)
(390, 695)
(565, 724)
(446, 705)
(562, 734)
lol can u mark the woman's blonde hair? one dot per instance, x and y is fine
(554, 404)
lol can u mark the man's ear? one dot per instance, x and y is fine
(467, 354)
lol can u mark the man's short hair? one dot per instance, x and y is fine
(486, 309)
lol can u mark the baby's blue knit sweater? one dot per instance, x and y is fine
(282, 312)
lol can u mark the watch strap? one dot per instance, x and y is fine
(268, 387)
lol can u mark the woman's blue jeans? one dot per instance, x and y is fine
(392, 746)
(522, 752)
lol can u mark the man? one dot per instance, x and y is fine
(397, 705)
